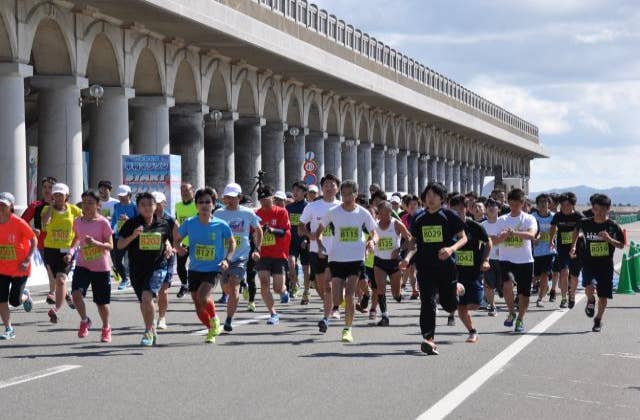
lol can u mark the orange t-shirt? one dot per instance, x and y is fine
(14, 246)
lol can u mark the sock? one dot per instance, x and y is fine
(382, 303)
(211, 308)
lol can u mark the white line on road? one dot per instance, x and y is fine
(623, 355)
(235, 323)
(37, 375)
(453, 399)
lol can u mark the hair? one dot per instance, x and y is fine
(48, 180)
(568, 196)
(144, 196)
(374, 187)
(245, 200)
(471, 194)
(490, 202)
(92, 194)
(266, 191)
(497, 191)
(206, 191)
(516, 194)
(593, 197)
(361, 199)
(601, 200)
(482, 199)
(437, 188)
(456, 200)
(384, 205)
(349, 183)
(300, 185)
(555, 197)
(542, 197)
(378, 194)
(330, 177)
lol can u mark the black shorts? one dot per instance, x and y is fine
(600, 276)
(11, 289)
(542, 265)
(301, 254)
(369, 275)
(196, 278)
(563, 261)
(100, 283)
(343, 270)
(520, 274)
(473, 289)
(388, 266)
(318, 265)
(274, 266)
(54, 259)
(493, 277)
(148, 281)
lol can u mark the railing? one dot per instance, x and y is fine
(334, 29)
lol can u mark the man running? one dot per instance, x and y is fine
(184, 210)
(107, 202)
(493, 276)
(122, 211)
(542, 253)
(163, 293)
(299, 249)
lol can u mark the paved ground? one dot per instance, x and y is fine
(261, 371)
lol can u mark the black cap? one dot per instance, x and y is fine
(265, 192)
(105, 183)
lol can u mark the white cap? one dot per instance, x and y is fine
(159, 197)
(313, 188)
(60, 188)
(124, 190)
(232, 190)
(7, 198)
(395, 199)
(280, 195)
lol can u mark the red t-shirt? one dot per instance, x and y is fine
(34, 212)
(274, 246)
(14, 246)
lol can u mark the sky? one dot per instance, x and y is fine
(572, 67)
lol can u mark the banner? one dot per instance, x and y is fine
(148, 173)
(32, 174)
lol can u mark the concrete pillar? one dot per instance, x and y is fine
(391, 170)
(378, 165)
(423, 173)
(333, 156)
(448, 175)
(412, 169)
(186, 130)
(248, 152)
(433, 169)
(480, 178)
(13, 139)
(60, 130)
(273, 154)
(440, 175)
(294, 158)
(150, 125)
(350, 161)
(464, 186)
(456, 177)
(525, 184)
(109, 139)
(315, 143)
(364, 166)
(402, 173)
(219, 152)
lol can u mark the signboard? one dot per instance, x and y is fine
(310, 168)
(148, 173)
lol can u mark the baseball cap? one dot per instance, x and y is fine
(280, 195)
(7, 198)
(60, 188)
(159, 197)
(124, 190)
(105, 183)
(313, 188)
(232, 190)
(395, 199)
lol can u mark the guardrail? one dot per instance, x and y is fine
(623, 219)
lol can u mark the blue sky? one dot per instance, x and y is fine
(570, 66)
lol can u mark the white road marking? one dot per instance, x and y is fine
(623, 355)
(453, 399)
(37, 375)
(236, 323)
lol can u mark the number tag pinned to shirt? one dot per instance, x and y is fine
(349, 234)
(151, 241)
(432, 234)
(205, 252)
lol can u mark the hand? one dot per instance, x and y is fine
(572, 252)
(168, 252)
(224, 265)
(395, 254)
(605, 235)
(552, 246)
(403, 264)
(445, 253)
(370, 245)
(485, 266)
(137, 231)
(255, 256)
(36, 231)
(304, 244)
(24, 265)
(68, 258)
(181, 250)
(88, 239)
(123, 217)
(266, 229)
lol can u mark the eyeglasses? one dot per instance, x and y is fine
(205, 202)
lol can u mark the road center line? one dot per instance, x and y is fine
(37, 375)
(454, 398)
(235, 323)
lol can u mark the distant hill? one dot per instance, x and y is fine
(618, 195)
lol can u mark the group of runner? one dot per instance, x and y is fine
(455, 250)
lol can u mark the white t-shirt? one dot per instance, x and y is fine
(388, 240)
(313, 214)
(348, 243)
(493, 229)
(516, 250)
(106, 207)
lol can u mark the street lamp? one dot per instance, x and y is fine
(293, 132)
(96, 93)
(215, 115)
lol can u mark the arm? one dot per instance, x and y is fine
(46, 215)
(485, 256)
(33, 245)
(527, 234)
(123, 242)
(552, 236)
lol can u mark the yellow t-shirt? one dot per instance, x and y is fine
(60, 227)
(183, 212)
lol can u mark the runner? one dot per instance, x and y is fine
(184, 210)
(274, 251)
(389, 232)
(603, 236)
(412, 205)
(312, 194)
(146, 239)
(500, 196)
(438, 233)
(542, 254)
(106, 201)
(493, 276)
(242, 222)
(122, 211)
(471, 261)
(280, 199)
(555, 271)
(299, 249)
(92, 233)
(57, 220)
(163, 293)
(18, 242)
(517, 232)
(346, 255)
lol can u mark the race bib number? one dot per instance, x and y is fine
(327, 231)
(119, 224)
(369, 260)
(514, 242)
(60, 235)
(182, 219)
(105, 212)
(385, 244)
(238, 240)
(432, 234)
(205, 252)
(269, 239)
(566, 238)
(91, 252)
(464, 258)
(349, 234)
(599, 249)
(151, 241)
(294, 218)
(544, 236)
(7, 253)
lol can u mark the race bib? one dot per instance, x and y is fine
(269, 239)
(119, 224)
(385, 244)
(432, 234)
(105, 212)
(238, 240)
(464, 258)
(327, 231)
(294, 218)
(349, 234)
(599, 249)
(60, 235)
(91, 252)
(205, 252)
(151, 241)
(514, 242)
(8, 253)
(369, 260)
(544, 236)
(566, 238)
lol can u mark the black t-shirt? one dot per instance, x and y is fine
(469, 257)
(588, 213)
(434, 231)
(565, 225)
(505, 210)
(146, 252)
(295, 211)
(598, 251)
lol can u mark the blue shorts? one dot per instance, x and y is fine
(151, 284)
(236, 269)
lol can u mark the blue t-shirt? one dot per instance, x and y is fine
(240, 222)
(544, 225)
(118, 209)
(207, 243)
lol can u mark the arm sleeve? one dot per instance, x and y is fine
(29, 213)
(414, 229)
(481, 232)
(554, 220)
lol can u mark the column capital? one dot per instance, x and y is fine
(351, 142)
(16, 70)
(152, 101)
(392, 151)
(365, 144)
(59, 82)
(117, 91)
(186, 109)
(252, 121)
(425, 157)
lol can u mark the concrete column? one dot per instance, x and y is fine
(248, 152)
(151, 125)
(480, 172)
(525, 184)
(219, 151)
(60, 130)
(109, 139)
(391, 170)
(350, 161)
(401, 162)
(440, 175)
(456, 177)
(412, 169)
(333, 155)
(315, 143)
(423, 173)
(433, 169)
(186, 130)
(294, 158)
(364, 166)
(448, 175)
(378, 165)
(464, 172)
(13, 139)
(273, 154)
(472, 185)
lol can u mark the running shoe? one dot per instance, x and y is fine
(274, 319)
(534, 289)
(162, 323)
(335, 314)
(295, 290)
(415, 295)
(214, 324)
(223, 299)
(472, 337)
(590, 309)
(123, 284)
(305, 299)
(572, 303)
(398, 298)
(105, 335)
(519, 326)
(552, 296)
(347, 337)
(27, 304)
(183, 290)
(539, 303)
(323, 325)
(85, 326)
(451, 321)
(284, 298)
(53, 316)
(245, 293)
(70, 301)
(429, 347)
(563, 303)
(251, 307)
(597, 325)
(51, 298)
(493, 311)
(372, 314)
(227, 325)
(510, 319)
(384, 321)
(9, 333)
(147, 339)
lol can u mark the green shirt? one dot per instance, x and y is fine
(183, 212)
